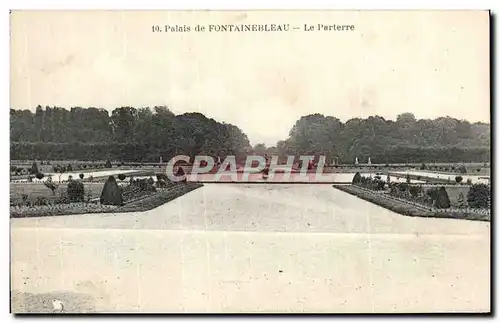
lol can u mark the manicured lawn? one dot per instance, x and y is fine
(34, 190)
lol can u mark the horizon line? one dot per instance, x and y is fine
(110, 110)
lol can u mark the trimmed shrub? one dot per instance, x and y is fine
(82, 175)
(111, 193)
(422, 167)
(356, 179)
(76, 191)
(108, 164)
(469, 181)
(69, 168)
(459, 179)
(462, 169)
(39, 175)
(121, 177)
(34, 168)
(180, 172)
(479, 196)
(442, 200)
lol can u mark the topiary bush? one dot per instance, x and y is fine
(479, 196)
(111, 193)
(108, 164)
(180, 172)
(121, 177)
(462, 169)
(34, 168)
(39, 176)
(458, 179)
(82, 175)
(356, 179)
(442, 199)
(76, 191)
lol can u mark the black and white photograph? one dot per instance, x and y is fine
(250, 161)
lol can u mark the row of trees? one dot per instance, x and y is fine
(406, 140)
(127, 134)
(145, 134)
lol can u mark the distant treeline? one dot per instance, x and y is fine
(130, 152)
(145, 134)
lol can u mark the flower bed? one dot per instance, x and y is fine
(141, 201)
(59, 209)
(161, 197)
(408, 208)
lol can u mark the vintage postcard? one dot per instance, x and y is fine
(250, 161)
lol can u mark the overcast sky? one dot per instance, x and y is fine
(429, 63)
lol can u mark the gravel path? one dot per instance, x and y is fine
(257, 248)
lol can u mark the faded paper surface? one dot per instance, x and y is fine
(229, 249)
(430, 63)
